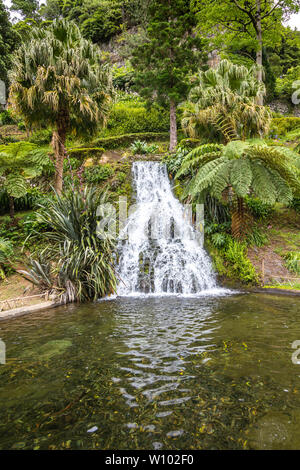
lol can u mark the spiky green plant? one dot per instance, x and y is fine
(82, 262)
(238, 169)
(223, 104)
(58, 79)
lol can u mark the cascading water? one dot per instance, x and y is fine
(161, 254)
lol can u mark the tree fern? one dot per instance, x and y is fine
(237, 170)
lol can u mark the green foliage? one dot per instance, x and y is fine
(129, 117)
(222, 105)
(123, 77)
(140, 147)
(164, 61)
(8, 41)
(218, 239)
(283, 125)
(288, 83)
(59, 80)
(256, 237)
(82, 262)
(122, 141)
(292, 261)
(98, 174)
(41, 137)
(229, 256)
(189, 143)
(29, 201)
(39, 273)
(236, 255)
(6, 253)
(6, 118)
(260, 210)
(247, 168)
(20, 162)
(27, 8)
(174, 160)
(295, 204)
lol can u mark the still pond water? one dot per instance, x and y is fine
(213, 372)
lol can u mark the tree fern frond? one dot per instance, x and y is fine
(262, 184)
(241, 176)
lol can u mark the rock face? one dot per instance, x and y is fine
(285, 107)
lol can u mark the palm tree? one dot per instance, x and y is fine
(223, 104)
(240, 168)
(58, 80)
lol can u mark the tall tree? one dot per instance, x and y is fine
(58, 79)
(27, 8)
(252, 18)
(167, 56)
(8, 41)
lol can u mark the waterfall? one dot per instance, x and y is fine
(162, 253)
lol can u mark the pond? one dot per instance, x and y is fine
(210, 372)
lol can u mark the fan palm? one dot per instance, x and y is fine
(240, 168)
(223, 104)
(58, 79)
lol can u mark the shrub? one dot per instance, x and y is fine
(295, 204)
(236, 254)
(30, 201)
(122, 141)
(141, 147)
(82, 262)
(284, 85)
(281, 126)
(260, 210)
(189, 143)
(292, 261)
(41, 137)
(6, 253)
(128, 117)
(6, 118)
(96, 175)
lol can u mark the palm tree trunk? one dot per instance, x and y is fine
(58, 144)
(173, 126)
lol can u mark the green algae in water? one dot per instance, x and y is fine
(154, 373)
(50, 349)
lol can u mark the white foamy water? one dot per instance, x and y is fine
(162, 254)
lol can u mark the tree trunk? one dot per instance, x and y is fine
(11, 208)
(260, 46)
(173, 126)
(58, 144)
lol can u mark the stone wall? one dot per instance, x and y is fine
(285, 107)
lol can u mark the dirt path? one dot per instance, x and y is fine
(284, 236)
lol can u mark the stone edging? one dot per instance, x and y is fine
(17, 312)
